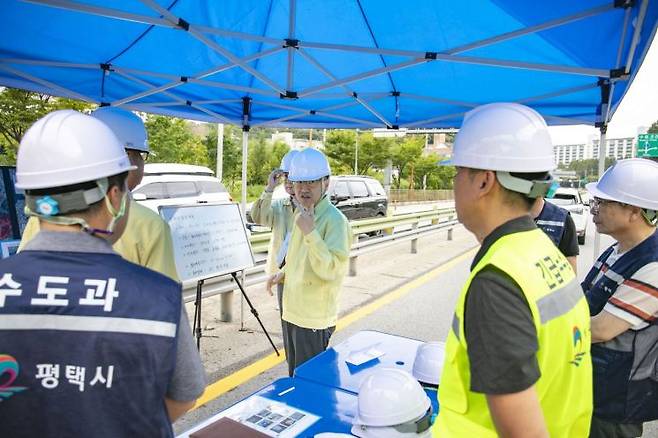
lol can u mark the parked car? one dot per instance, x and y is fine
(178, 184)
(571, 199)
(358, 197)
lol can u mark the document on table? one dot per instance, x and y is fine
(360, 357)
(271, 417)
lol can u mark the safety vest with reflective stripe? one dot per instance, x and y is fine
(559, 311)
(551, 221)
(92, 342)
(626, 367)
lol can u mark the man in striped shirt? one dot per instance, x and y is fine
(622, 291)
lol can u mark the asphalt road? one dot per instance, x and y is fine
(425, 313)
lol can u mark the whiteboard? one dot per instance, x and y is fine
(209, 240)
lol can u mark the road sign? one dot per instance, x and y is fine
(647, 145)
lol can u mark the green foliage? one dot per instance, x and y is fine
(253, 191)
(279, 149)
(589, 169)
(404, 155)
(373, 152)
(340, 147)
(436, 177)
(654, 128)
(172, 141)
(232, 154)
(19, 109)
(258, 166)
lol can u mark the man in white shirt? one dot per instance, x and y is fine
(622, 291)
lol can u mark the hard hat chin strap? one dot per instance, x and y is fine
(532, 189)
(103, 185)
(116, 215)
(651, 216)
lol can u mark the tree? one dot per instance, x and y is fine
(340, 147)
(404, 154)
(589, 169)
(279, 149)
(231, 153)
(171, 141)
(654, 128)
(436, 177)
(258, 166)
(373, 152)
(19, 109)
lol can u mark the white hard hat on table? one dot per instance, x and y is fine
(67, 147)
(392, 404)
(126, 125)
(309, 165)
(429, 362)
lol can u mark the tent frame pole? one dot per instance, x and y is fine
(178, 81)
(65, 91)
(603, 147)
(636, 35)
(348, 90)
(178, 101)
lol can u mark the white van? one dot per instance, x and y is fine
(178, 184)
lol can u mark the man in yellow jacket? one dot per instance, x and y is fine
(517, 360)
(147, 238)
(315, 264)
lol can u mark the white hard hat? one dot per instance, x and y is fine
(287, 160)
(67, 147)
(429, 362)
(126, 125)
(633, 181)
(505, 137)
(391, 403)
(309, 165)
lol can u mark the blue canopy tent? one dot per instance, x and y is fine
(330, 63)
(336, 63)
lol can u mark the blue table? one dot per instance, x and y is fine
(336, 408)
(330, 368)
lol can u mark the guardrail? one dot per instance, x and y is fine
(439, 219)
(406, 195)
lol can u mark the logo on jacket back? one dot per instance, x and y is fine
(9, 369)
(578, 346)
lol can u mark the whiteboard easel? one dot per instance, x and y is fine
(210, 240)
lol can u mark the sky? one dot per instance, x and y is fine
(639, 107)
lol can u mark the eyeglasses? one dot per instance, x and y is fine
(598, 202)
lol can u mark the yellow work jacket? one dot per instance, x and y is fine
(278, 215)
(562, 321)
(146, 240)
(315, 267)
